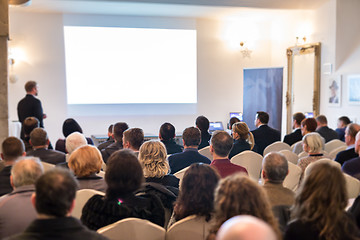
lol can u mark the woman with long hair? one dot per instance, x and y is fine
(319, 210)
(243, 139)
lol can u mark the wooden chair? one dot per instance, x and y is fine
(192, 227)
(250, 160)
(276, 147)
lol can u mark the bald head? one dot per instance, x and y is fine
(350, 133)
(357, 143)
(245, 228)
(26, 171)
(275, 167)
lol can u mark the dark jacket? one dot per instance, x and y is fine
(293, 137)
(171, 146)
(179, 161)
(264, 136)
(345, 155)
(106, 153)
(30, 106)
(239, 146)
(5, 186)
(205, 138)
(327, 133)
(106, 144)
(47, 155)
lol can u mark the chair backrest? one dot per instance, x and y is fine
(134, 229)
(332, 162)
(250, 160)
(334, 152)
(82, 196)
(180, 174)
(101, 174)
(206, 152)
(297, 147)
(352, 186)
(291, 181)
(276, 147)
(333, 144)
(290, 156)
(47, 166)
(192, 227)
(303, 154)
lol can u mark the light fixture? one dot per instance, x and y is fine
(245, 51)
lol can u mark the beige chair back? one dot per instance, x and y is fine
(134, 229)
(290, 156)
(47, 166)
(333, 144)
(206, 152)
(251, 161)
(334, 152)
(292, 180)
(352, 186)
(192, 227)
(276, 147)
(303, 154)
(297, 147)
(180, 174)
(82, 196)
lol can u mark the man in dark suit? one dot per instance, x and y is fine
(191, 139)
(350, 135)
(322, 128)
(296, 135)
(40, 142)
(341, 126)
(264, 135)
(118, 130)
(352, 166)
(167, 137)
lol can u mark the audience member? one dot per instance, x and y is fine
(132, 139)
(29, 124)
(12, 148)
(264, 135)
(54, 200)
(167, 137)
(352, 166)
(70, 125)
(341, 126)
(319, 210)
(274, 170)
(16, 210)
(40, 142)
(86, 162)
(74, 141)
(109, 140)
(118, 130)
(322, 128)
(220, 146)
(191, 140)
(203, 124)
(124, 176)
(296, 135)
(245, 228)
(239, 195)
(308, 125)
(243, 139)
(197, 193)
(232, 121)
(350, 134)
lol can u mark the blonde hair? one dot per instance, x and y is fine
(153, 159)
(85, 161)
(314, 142)
(242, 129)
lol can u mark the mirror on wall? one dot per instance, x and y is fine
(303, 92)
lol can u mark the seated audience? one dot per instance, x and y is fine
(322, 128)
(232, 121)
(319, 210)
(352, 166)
(196, 193)
(308, 125)
(191, 140)
(167, 137)
(239, 195)
(296, 135)
(132, 139)
(109, 140)
(29, 124)
(12, 149)
(220, 146)
(264, 135)
(69, 126)
(86, 162)
(124, 176)
(74, 141)
(118, 130)
(313, 145)
(54, 200)
(274, 170)
(350, 135)
(203, 124)
(341, 126)
(40, 142)
(245, 228)
(16, 210)
(243, 139)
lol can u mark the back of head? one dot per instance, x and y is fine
(153, 158)
(222, 143)
(70, 126)
(26, 171)
(263, 117)
(39, 137)
(85, 160)
(202, 123)
(12, 148)
(314, 142)
(345, 120)
(135, 137)
(310, 124)
(123, 175)
(246, 228)
(322, 119)
(352, 129)
(110, 129)
(74, 140)
(298, 117)
(191, 136)
(167, 131)
(118, 130)
(55, 192)
(29, 86)
(29, 124)
(232, 121)
(275, 167)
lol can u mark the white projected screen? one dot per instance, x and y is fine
(108, 65)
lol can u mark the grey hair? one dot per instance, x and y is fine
(275, 167)
(75, 140)
(314, 142)
(26, 171)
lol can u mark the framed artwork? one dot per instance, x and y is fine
(335, 91)
(353, 82)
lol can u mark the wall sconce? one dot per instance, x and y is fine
(13, 78)
(245, 51)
